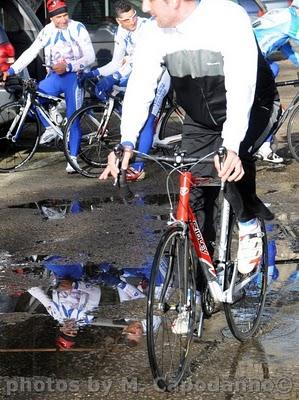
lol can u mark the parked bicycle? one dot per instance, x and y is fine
(292, 110)
(20, 126)
(194, 279)
(100, 129)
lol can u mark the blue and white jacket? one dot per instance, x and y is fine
(124, 46)
(274, 30)
(72, 44)
(76, 303)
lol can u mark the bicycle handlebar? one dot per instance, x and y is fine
(177, 158)
(15, 82)
(294, 82)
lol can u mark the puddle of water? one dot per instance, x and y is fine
(59, 208)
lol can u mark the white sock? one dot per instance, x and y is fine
(248, 226)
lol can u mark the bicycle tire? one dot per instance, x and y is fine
(95, 146)
(244, 314)
(173, 260)
(293, 133)
(14, 154)
(171, 126)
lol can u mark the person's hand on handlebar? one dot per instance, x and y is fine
(232, 169)
(3, 77)
(112, 168)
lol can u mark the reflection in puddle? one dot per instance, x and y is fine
(249, 368)
(59, 208)
(71, 293)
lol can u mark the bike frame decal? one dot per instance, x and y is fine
(200, 246)
(184, 191)
(185, 213)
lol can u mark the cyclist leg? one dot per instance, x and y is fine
(50, 85)
(147, 133)
(198, 141)
(252, 206)
(266, 146)
(145, 141)
(74, 100)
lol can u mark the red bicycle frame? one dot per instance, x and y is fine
(185, 214)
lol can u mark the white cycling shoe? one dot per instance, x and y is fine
(49, 135)
(69, 169)
(250, 250)
(266, 154)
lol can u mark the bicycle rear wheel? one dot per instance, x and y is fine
(293, 133)
(96, 142)
(171, 309)
(249, 291)
(15, 152)
(170, 134)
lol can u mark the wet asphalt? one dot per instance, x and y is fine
(44, 211)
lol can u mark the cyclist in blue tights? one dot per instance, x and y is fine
(273, 31)
(117, 72)
(136, 171)
(68, 49)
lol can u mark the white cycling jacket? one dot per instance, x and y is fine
(72, 44)
(74, 304)
(124, 46)
(213, 65)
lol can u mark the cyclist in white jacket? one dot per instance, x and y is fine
(68, 49)
(229, 98)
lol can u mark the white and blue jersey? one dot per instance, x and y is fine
(124, 46)
(274, 30)
(76, 303)
(72, 46)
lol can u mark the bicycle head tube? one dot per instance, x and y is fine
(184, 196)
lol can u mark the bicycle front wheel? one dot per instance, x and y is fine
(249, 292)
(16, 150)
(171, 309)
(293, 133)
(98, 139)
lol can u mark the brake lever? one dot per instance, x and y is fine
(222, 153)
(121, 179)
(119, 153)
